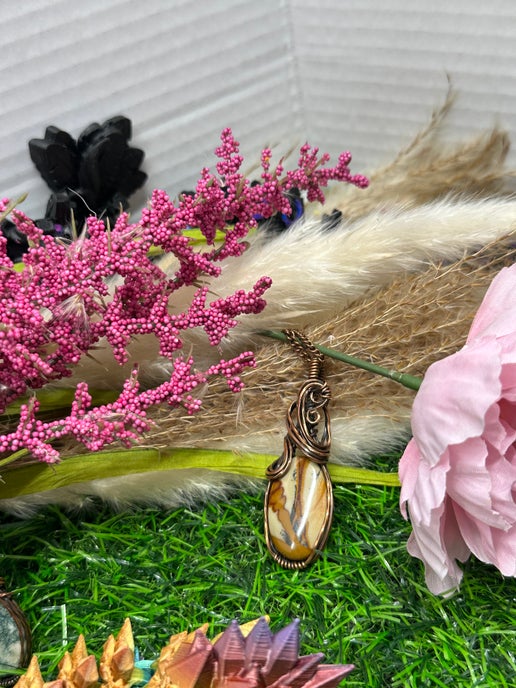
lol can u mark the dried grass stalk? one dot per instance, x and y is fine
(429, 169)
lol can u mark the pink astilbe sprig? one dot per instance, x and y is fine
(103, 287)
(230, 202)
(219, 317)
(123, 420)
(311, 174)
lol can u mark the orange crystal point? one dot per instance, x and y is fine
(105, 660)
(32, 678)
(125, 635)
(86, 673)
(79, 652)
(193, 669)
(117, 661)
(123, 656)
(122, 663)
(78, 670)
(65, 667)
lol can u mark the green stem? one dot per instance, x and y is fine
(15, 455)
(11, 206)
(39, 477)
(410, 381)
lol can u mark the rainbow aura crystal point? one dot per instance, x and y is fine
(258, 644)
(239, 657)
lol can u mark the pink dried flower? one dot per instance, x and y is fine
(60, 306)
(458, 473)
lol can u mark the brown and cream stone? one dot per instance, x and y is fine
(298, 511)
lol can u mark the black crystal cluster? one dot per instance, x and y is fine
(93, 175)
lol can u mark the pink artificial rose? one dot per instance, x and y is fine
(458, 473)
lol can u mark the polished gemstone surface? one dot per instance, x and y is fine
(10, 642)
(298, 509)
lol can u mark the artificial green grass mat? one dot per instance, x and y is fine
(363, 602)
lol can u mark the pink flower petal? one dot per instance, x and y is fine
(497, 313)
(508, 347)
(451, 404)
(469, 482)
(458, 473)
(425, 543)
(408, 471)
(505, 551)
(503, 486)
(500, 431)
(477, 535)
(429, 493)
(442, 573)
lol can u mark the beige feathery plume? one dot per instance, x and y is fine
(405, 326)
(316, 273)
(434, 201)
(432, 167)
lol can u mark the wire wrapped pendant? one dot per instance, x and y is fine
(15, 638)
(298, 506)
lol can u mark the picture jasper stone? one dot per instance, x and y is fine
(298, 505)
(15, 639)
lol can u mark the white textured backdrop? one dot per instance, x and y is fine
(358, 74)
(371, 71)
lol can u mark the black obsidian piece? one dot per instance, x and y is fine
(17, 243)
(94, 175)
(332, 220)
